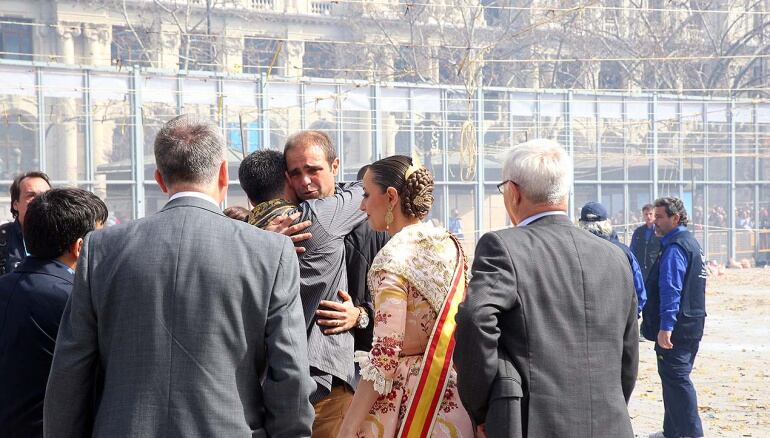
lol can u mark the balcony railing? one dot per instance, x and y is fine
(322, 8)
(261, 4)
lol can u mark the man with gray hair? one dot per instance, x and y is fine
(179, 325)
(558, 302)
(595, 220)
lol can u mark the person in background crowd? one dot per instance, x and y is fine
(594, 219)
(23, 190)
(418, 278)
(32, 300)
(558, 302)
(237, 212)
(185, 322)
(645, 244)
(675, 316)
(455, 225)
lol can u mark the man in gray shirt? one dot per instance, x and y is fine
(323, 274)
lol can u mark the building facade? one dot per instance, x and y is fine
(86, 85)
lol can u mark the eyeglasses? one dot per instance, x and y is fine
(500, 187)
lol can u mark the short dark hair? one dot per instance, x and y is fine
(673, 206)
(58, 218)
(189, 148)
(312, 138)
(647, 207)
(263, 175)
(16, 186)
(362, 172)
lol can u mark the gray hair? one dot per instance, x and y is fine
(673, 206)
(599, 228)
(541, 169)
(189, 148)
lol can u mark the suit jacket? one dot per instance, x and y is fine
(361, 245)
(182, 324)
(32, 300)
(562, 304)
(11, 246)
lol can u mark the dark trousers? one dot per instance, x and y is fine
(679, 398)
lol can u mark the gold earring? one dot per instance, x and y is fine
(389, 217)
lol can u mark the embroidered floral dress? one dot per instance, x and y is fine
(409, 280)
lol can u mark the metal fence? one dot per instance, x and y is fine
(94, 128)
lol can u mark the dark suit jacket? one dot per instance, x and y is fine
(12, 242)
(361, 245)
(182, 324)
(562, 304)
(32, 300)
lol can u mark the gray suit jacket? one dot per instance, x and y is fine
(561, 303)
(182, 324)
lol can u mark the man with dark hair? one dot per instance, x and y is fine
(645, 244)
(23, 190)
(32, 300)
(675, 315)
(323, 275)
(269, 194)
(167, 333)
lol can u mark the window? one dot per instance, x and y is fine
(320, 60)
(198, 52)
(259, 53)
(16, 39)
(126, 47)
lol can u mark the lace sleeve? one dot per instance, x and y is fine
(380, 364)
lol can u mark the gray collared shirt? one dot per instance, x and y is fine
(322, 273)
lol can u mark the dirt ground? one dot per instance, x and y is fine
(732, 369)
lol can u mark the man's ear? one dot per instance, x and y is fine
(224, 176)
(75, 248)
(335, 167)
(160, 181)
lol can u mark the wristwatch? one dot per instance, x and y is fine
(363, 318)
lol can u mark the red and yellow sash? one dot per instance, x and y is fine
(437, 361)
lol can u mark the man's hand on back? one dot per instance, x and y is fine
(283, 225)
(341, 316)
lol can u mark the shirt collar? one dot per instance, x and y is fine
(535, 217)
(665, 239)
(198, 195)
(70, 270)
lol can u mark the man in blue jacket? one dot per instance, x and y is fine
(32, 300)
(675, 315)
(595, 219)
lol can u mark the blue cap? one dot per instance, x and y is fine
(593, 212)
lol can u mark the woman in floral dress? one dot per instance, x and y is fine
(409, 279)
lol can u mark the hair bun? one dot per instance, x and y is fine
(417, 198)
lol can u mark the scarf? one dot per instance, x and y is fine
(265, 212)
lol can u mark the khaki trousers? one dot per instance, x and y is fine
(330, 412)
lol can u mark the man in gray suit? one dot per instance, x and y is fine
(559, 303)
(184, 323)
